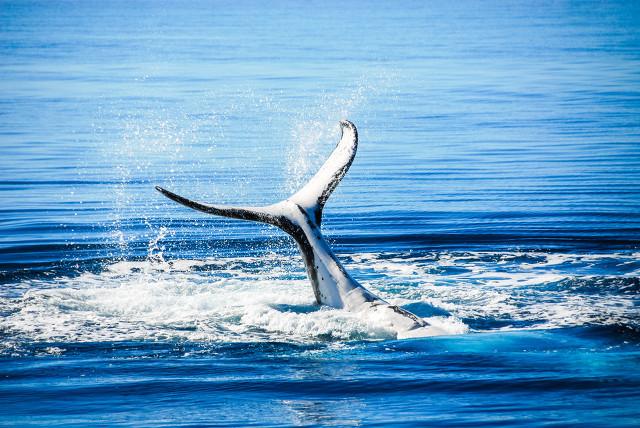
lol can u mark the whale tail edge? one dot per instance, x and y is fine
(311, 197)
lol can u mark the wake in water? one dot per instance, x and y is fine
(267, 298)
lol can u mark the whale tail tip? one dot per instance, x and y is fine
(312, 196)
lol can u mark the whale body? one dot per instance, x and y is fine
(300, 216)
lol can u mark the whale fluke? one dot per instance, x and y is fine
(313, 195)
(300, 216)
(260, 214)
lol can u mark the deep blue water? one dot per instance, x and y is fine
(496, 190)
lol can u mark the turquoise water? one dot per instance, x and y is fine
(496, 188)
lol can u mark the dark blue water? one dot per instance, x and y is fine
(496, 191)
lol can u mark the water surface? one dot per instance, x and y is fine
(496, 191)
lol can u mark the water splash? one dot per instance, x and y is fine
(268, 298)
(315, 130)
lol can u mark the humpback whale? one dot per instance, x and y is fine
(300, 216)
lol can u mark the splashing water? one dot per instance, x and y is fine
(315, 131)
(268, 298)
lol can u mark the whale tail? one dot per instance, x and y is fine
(311, 197)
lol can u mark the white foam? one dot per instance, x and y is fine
(130, 301)
(255, 299)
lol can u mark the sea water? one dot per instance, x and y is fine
(496, 191)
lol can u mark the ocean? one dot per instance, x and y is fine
(496, 191)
